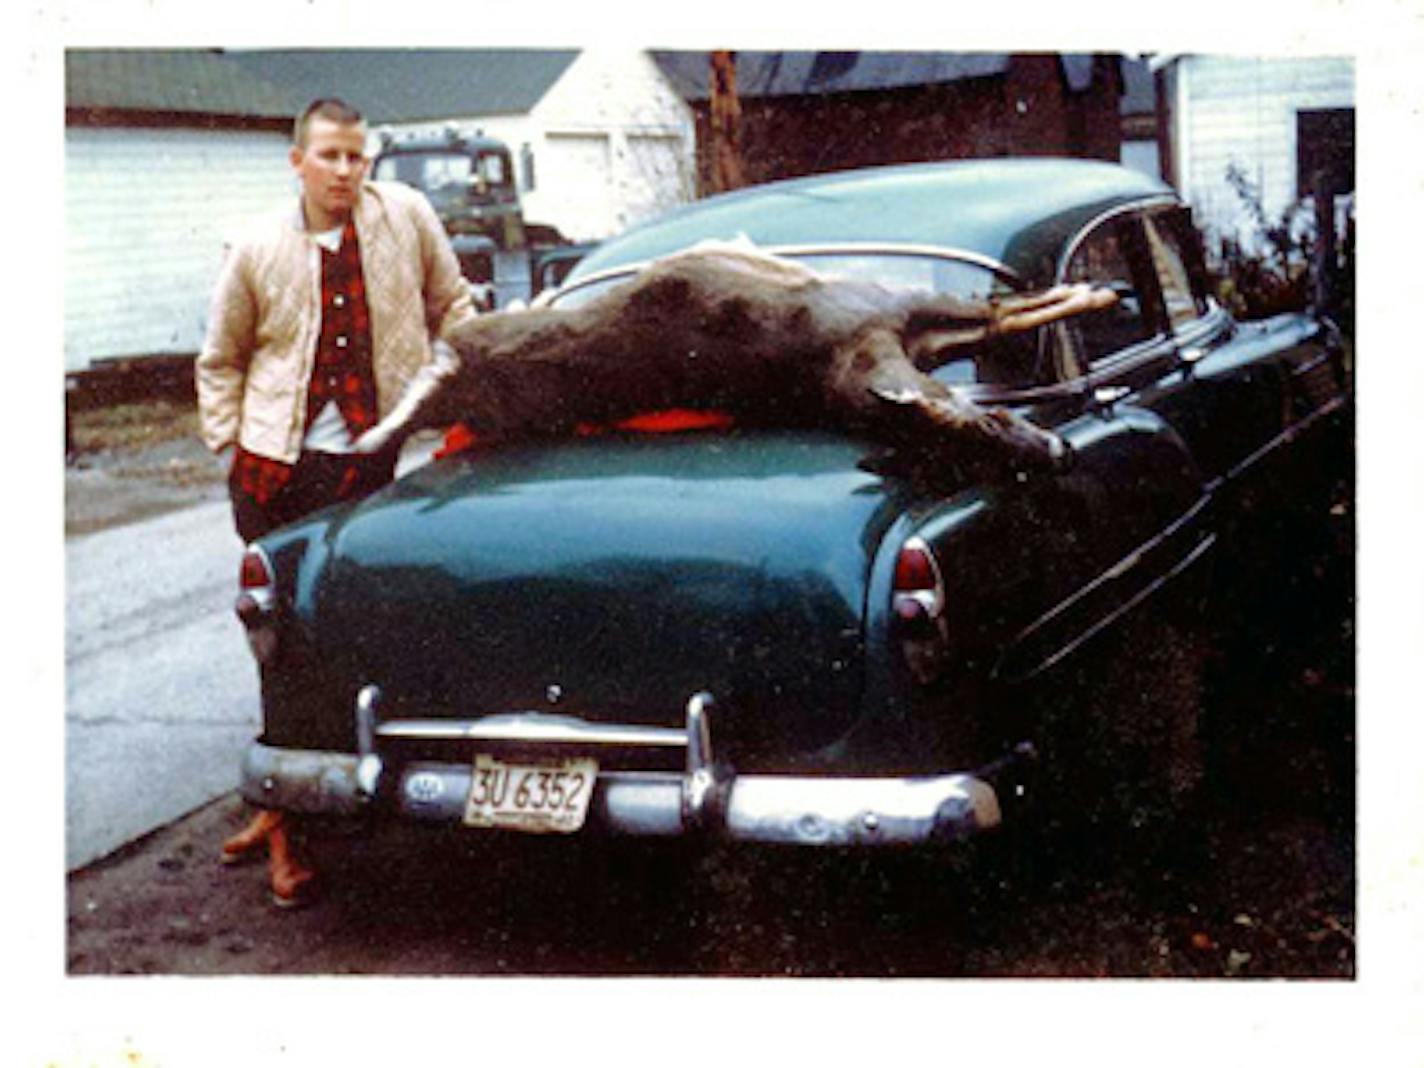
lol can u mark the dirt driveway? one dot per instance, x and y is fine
(1264, 893)
(134, 461)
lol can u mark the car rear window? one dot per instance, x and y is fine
(1008, 362)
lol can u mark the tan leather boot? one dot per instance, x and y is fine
(293, 882)
(245, 842)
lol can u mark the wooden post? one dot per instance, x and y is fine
(1162, 104)
(726, 121)
(1324, 296)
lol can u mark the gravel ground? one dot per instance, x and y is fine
(135, 461)
(1269, 893)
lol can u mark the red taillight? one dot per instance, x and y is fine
(915, 569)
(256, 603)
(256, 573)
(918, 595)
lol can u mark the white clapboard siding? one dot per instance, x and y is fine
(146, 214)
(1242, 110)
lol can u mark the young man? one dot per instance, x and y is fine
(319, 321)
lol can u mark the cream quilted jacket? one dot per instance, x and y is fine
(256, 362)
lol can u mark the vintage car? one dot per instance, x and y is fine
(774, 631)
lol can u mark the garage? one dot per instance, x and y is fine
(143, 230)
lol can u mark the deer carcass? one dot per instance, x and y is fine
(740, 331)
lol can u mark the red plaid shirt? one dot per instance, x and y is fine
(342, 371)
(343, 354)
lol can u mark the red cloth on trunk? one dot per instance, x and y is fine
(459, 438)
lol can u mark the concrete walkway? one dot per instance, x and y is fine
(160, 690)
(161, 693)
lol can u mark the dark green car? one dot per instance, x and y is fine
(776, 633)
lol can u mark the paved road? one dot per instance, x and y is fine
(161, 693)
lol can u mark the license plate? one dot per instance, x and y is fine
(535, 798)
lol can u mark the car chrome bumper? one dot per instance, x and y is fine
(792, 809)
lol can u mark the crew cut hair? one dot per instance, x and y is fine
(330, 108)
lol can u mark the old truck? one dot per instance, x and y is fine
(470, 181)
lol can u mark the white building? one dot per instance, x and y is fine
(165, 154)
(1277, 120)
(608, 145)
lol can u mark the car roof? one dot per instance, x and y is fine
(1019, 212)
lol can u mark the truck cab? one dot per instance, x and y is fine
(469, 180)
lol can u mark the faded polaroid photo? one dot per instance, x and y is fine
(606, 516)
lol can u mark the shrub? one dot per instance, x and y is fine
(1270, 274)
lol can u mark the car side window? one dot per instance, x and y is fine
(1173, 256)
(1105, 258)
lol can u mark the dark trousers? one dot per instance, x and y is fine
(317, 480)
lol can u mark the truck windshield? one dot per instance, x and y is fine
(437, 170)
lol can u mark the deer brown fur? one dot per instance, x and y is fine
(744, 332)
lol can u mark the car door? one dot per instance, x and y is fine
(1244, 394)
(1133, 512)
(1219, 398)
(1123, 363)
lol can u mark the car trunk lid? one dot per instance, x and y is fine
(612, 579)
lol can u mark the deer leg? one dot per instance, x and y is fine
(420, 407)
(1057, 303)
(926, 341)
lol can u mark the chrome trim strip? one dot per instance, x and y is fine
(1204, 328)
(1124, 565)
(1158, 347)
(1124, 361)
(1113, 574)
(1133, 559)
(533, 727)
(1285, 437)
(1028, 395)
(1203, 547)
(1155, 201)
(943, 252)
(1311, 364)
